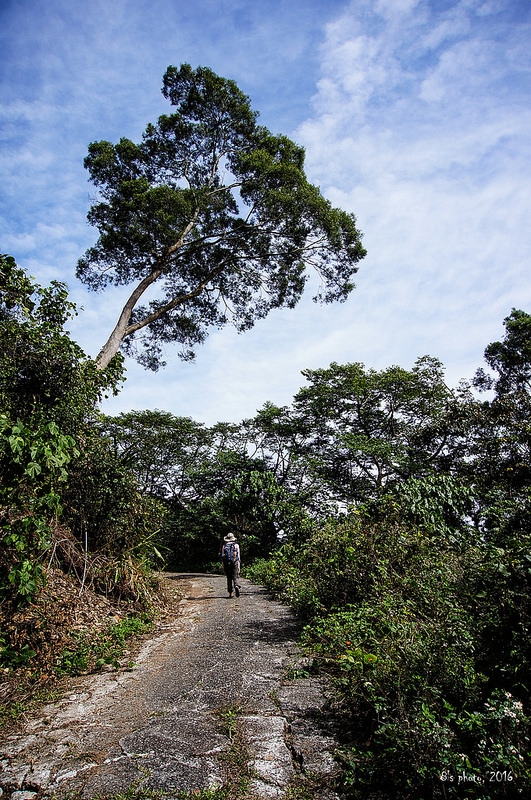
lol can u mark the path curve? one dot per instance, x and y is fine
(158, 726)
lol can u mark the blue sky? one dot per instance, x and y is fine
(415, 115)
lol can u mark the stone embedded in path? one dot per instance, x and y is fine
(270, 757)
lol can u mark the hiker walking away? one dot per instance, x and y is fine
(230, 561)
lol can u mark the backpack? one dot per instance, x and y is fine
(229, 552)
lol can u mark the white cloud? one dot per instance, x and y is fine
(393, 8)
(455, 23)
(432, 154)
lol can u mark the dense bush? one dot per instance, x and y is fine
(425, 636)
(55, 467)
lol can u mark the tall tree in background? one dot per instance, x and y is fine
(367, 431)
(214, 215)
(500, 436)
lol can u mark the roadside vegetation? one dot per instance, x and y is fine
(417, 594)
(76, 548)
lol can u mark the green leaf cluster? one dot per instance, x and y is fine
(33, 464)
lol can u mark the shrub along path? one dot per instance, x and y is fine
(216, 699)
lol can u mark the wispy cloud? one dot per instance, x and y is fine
(421, 128)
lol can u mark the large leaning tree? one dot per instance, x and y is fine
(210, 220)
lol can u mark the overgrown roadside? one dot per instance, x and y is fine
(208, 707)
(66, 631)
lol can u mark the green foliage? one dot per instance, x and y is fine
(48, 388)
(499, 464)
(32, 699)
(366, 431)
(90, 653)
(56, 470)
(281, 439)
(142, 793)
(32, 465)
(256, 507)
(206, 481)
(228, 717)
(164, 452)
(44, 375)
(11, 712)
(10, 658)
(436, 504)
(416, 597)
(426, 638)
(102, 500)
(511, 359)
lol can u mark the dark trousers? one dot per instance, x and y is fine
(232, 573)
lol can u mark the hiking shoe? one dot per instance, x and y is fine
(237, 591)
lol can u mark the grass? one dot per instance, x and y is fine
(91, 653)
(237, 758)
(88, 652)
(10, 712)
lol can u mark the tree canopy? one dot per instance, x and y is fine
(214, 211)
(368, 430)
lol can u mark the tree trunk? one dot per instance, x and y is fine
(123, 329)
(112, 345)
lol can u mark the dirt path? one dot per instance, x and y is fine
(160, 726)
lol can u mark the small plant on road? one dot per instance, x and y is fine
(237, 759)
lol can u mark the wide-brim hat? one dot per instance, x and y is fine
(230, 537)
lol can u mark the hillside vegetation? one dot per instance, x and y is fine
(390, 510)
(76, 549)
